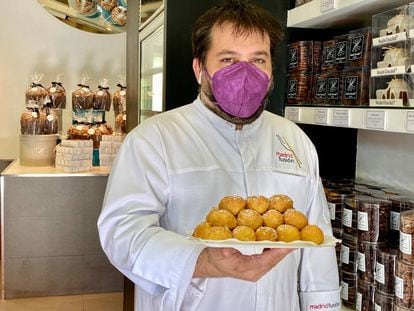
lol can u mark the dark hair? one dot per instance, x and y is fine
(244, 17)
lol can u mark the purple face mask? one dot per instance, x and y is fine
(239, 89)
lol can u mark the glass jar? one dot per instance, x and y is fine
(373, 219)
(383, 302)
(404, 295)
(367, 257)
(336, 201)
(398, 205)
(406, 236)
(349, 253)
(385, 270)
(365, 296)
(348, 289)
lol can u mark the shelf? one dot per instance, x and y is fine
(378, 118)
(344, 12)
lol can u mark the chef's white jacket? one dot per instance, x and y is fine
(171, 170)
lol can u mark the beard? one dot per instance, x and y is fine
(207, 97)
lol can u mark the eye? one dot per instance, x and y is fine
(228, 60)
(258, 61)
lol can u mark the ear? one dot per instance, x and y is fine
(197, 68)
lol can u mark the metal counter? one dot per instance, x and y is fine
(50, 242)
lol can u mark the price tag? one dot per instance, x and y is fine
(327, 5)
(292, 114)
(341, 117)
(410, 121)
(321, 116)
(376, 120)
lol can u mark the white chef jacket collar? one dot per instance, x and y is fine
(220, 122)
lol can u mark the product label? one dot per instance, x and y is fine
(292, 88)
(410, 121)
(50, 118)
(358, 302)
(344, 290)
(99, 93)
(377, 307)
(362, 221)
(347, 217)
(340, 52)
(389, 39)
(341, 117)
(122, 93)
(351, 84)
(375, 119)
(399, 287)
(292, 113)
(124, 117)
(345, 254)
(405, 243)
(380, 273)
(395, 221)
(332, 210)
(321, 116)
(293, 58)
(361, 262)
(356, 47)
(34, 114)
(328, 55)
(320, 89)
(333, 88)
(386, 102)
(387, 71)
(52, 89)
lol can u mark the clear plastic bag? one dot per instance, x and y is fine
(102, 97)
(36, 92)
(119, 97)
(82, 97)
(57, 94)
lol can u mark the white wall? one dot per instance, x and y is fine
(387, 158)
(31, 40)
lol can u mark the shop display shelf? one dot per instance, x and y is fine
(399, 120)
(335, 13)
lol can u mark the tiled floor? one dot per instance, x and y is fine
(95, 302)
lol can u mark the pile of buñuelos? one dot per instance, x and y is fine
(257, 218)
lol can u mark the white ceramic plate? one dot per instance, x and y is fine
(249, 248)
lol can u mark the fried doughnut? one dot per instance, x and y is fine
(272, 218)
(312, 233)
(258, 203)
(266, 234)
(250, 218)
(295, 218)
(287, 233)
(233, 204)
(202, 230)
(280, 202)
(221, 217)
(244, 233)
(219, 233)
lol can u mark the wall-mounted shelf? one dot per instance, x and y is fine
(338, 12)
(381, 119)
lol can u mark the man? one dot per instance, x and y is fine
(174, 167)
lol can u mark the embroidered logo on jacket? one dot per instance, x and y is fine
(288, 156)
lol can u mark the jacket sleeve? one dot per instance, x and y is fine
(160, 262)
(319, 281)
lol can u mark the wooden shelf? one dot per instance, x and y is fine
(372, 118)
(344, 12)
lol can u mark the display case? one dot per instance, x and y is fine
(151, 77)
(393, 25)
(392, 90)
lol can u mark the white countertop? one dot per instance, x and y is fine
(16, 169)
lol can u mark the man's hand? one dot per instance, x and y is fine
(229, 262)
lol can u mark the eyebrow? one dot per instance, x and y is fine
(230, 52)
